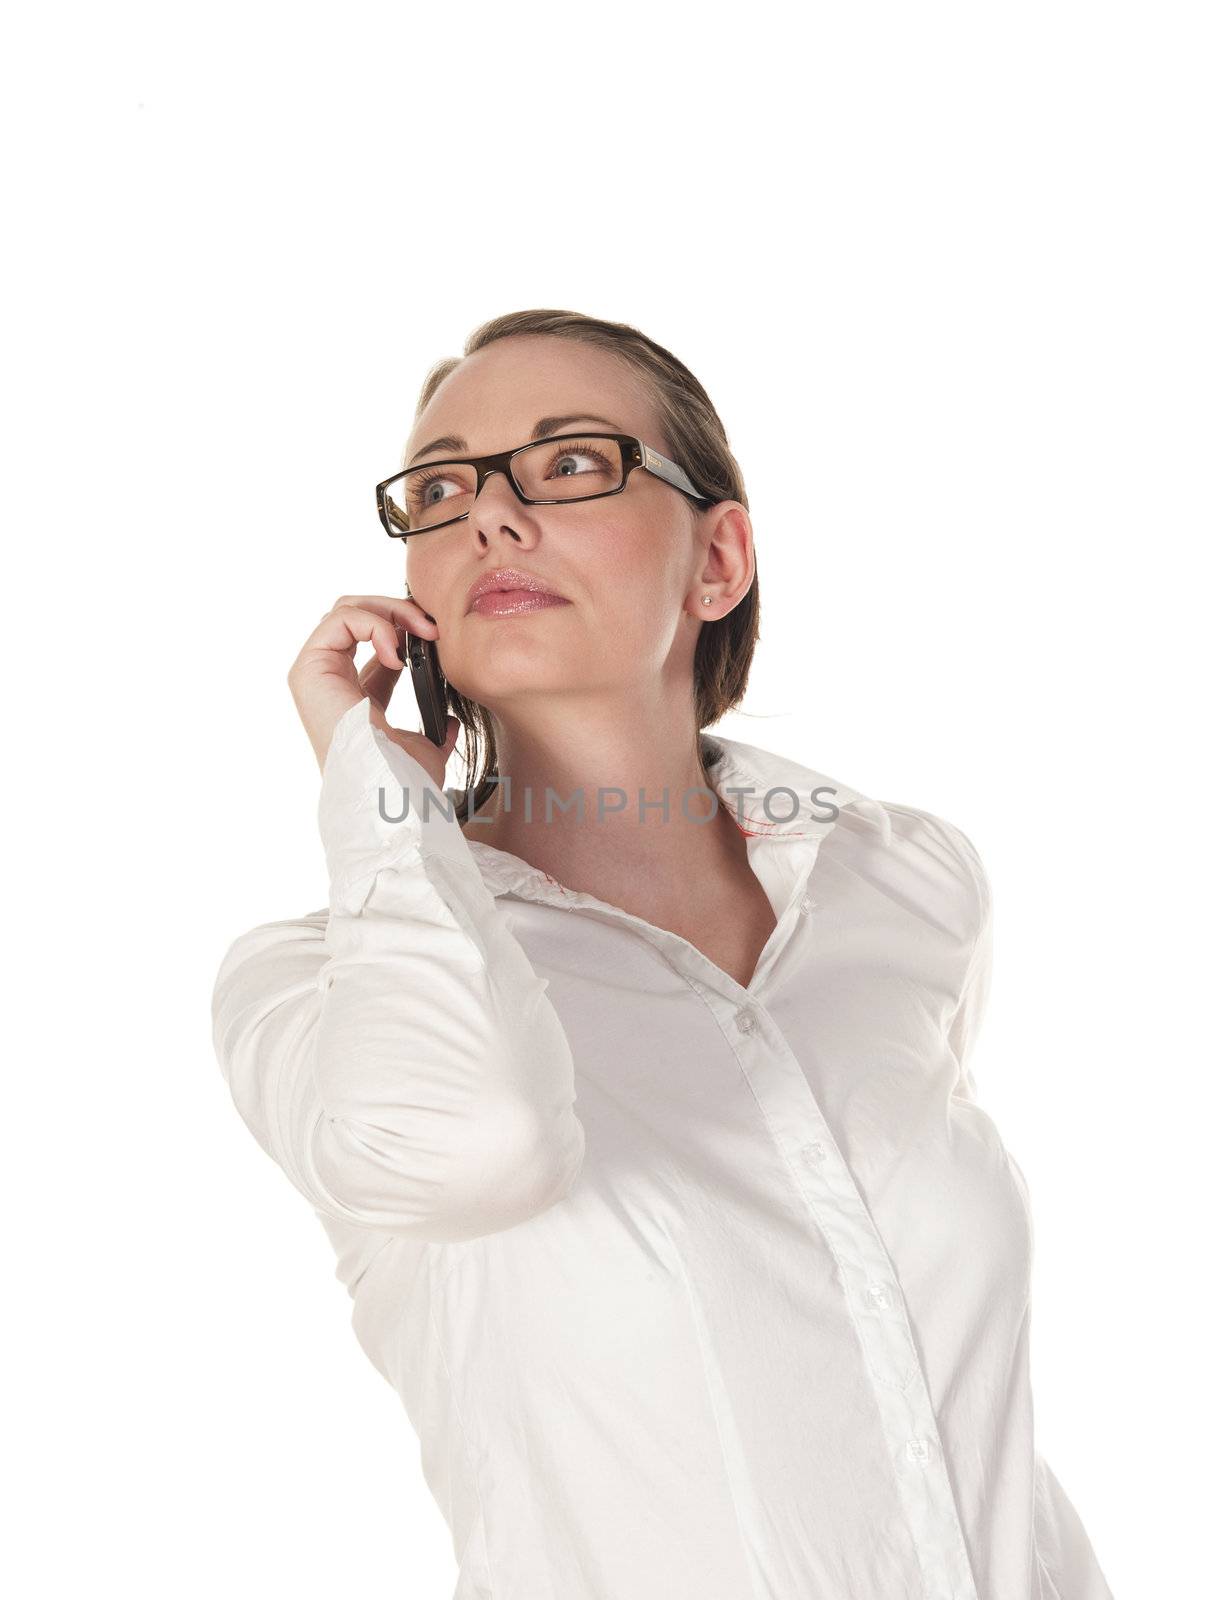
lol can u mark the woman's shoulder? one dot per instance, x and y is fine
(943, 855)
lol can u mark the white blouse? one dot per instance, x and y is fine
(689, 1289)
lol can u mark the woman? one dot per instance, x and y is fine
(636, 1100)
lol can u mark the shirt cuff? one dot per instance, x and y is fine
(377, 804)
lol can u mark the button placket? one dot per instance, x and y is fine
(874, 1299)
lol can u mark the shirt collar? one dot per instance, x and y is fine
(771, 798)
(789, 800)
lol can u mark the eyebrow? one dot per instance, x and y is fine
(541, 430)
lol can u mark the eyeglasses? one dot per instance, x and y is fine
(408, 502)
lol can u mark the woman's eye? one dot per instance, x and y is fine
(432, 483)
(570, 455)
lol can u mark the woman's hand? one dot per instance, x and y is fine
(325, 683)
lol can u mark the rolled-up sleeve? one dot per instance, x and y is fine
(397, 1055)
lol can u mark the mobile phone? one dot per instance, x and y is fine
(428, 681)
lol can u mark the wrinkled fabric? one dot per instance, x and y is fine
(688, 1289)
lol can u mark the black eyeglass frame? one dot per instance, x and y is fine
(634, 453)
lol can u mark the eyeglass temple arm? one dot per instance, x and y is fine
(388, 509)
(669, 472)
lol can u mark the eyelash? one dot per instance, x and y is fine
(573, 449)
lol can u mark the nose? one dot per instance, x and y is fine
(501, 510)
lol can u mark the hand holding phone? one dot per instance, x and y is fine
(325, 682)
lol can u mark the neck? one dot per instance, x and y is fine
(606, 802)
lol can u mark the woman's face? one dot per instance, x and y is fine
(627, 565)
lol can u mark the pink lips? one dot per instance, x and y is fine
(506, 591)
(508, 602)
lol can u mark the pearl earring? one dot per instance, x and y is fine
(707, 599)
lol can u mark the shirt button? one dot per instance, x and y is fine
(879, 1296)
(745, 1022)
(921, 1449)
(815, 1151)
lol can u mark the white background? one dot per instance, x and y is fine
(942, 269)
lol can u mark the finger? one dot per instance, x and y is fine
(378, 679)
(407, 612)
(414, 742)
(347, 626)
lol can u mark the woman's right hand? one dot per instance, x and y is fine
(325, 682)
